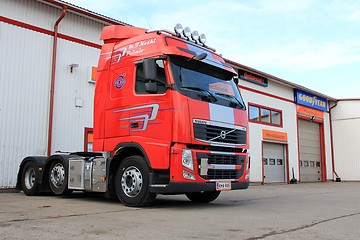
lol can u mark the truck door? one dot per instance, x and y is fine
(119, 86)
(151, 114)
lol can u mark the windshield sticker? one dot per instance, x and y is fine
(222, 88)
(120, 81)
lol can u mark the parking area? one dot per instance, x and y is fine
(303, 211)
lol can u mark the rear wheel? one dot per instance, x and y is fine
(203, 197)
(58, 178)
(132, 182)
(29, 179)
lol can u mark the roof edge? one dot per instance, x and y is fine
(276, 79)
(83, 11)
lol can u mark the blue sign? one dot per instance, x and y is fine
(310, 100)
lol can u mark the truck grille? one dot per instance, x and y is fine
(219, 134)
(221, 159)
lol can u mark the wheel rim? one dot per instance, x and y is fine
(131, 181)
(30, 178)
(57, 175)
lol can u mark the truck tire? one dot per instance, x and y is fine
(203, 197)
(132, 182)
(58, 178)
(29, 179)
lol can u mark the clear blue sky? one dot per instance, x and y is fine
(314, 43)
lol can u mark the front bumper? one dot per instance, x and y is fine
(185, 187)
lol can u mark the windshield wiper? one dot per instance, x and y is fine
(230, 96)
(203, 90)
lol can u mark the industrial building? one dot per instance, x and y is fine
(48, 58)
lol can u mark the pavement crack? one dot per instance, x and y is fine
(272, 233)
(5, 223)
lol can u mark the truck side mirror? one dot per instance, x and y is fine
(151, 87)
(150, 69)
(236, 81)
(150, 75)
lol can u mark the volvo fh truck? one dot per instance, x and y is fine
(169, 110)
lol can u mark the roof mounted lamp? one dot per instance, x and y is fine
(202, 38)
(187, 32)
(195, 36)
(178, 29)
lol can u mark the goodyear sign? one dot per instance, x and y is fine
(310, 100)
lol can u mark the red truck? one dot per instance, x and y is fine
(170, 111)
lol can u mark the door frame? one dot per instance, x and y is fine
(286, 156)
(322, 144)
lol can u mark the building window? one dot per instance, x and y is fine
(254, 113)
(265, 115)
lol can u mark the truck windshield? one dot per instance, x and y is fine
(205, 82)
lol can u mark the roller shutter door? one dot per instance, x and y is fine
(274, 164)
(310, 151)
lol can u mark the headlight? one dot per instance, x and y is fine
(187, 159)
(247, 175)
(188, 175)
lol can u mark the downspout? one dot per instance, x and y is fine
(338, 179)
(51, 111)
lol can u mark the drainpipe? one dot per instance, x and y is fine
(338, 179)
(51, 111)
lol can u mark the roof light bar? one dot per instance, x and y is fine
(186, 33)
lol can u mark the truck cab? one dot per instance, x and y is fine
(175, 103)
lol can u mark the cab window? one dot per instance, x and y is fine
(161, 78)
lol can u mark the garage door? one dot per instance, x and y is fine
(274, 164)
(310, 151)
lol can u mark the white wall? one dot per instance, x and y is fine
(346, 137)
(25, 77)
(289, 118)
(289, 125)
(25, 70)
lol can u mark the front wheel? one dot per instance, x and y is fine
(29, 179)
(132, 182)
(203, 197)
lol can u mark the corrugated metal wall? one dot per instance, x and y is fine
(25, 70)
(69, 120)
(25, 76)
(346, 137)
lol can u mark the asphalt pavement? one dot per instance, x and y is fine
(328, 210)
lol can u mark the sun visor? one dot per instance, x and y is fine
(121, 32)
(180, 47)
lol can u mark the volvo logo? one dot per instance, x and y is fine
(223, 134)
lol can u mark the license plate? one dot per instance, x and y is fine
(220, 186)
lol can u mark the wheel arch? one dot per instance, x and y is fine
(122, 151)
(37, 160)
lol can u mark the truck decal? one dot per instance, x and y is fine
(129, 50)
(144, 117)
